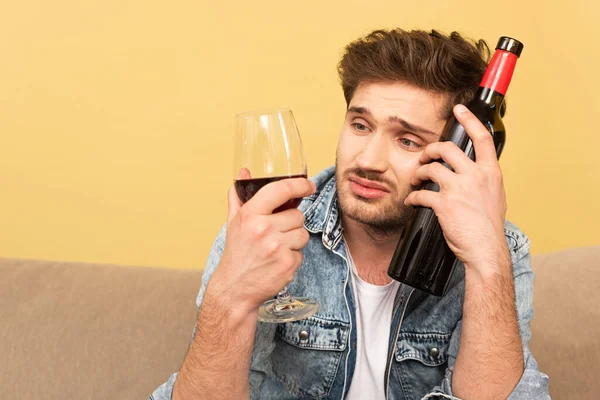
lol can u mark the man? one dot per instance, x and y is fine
(400, 88)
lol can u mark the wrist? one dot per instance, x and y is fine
(222, 299)
(494, 262)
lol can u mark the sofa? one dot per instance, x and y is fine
(84, 331)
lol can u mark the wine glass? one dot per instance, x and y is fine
(268, 145)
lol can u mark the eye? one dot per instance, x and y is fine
(359, 127)
(409, 144)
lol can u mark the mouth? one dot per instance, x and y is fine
(366, 188)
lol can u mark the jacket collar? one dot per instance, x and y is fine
(321, 213)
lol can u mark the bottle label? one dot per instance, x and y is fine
(499, 71)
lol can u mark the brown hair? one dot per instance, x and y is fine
(451, 65)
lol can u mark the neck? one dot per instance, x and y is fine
(371, 250)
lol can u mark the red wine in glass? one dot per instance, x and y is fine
(246, 188)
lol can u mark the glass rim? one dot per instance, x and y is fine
(262, 111)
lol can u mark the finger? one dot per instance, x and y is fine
(287, 220)
(244, 174)
(297, 238)
(234, 204)
(233, 200)
(423, 198)
(483, 141)
(275, 194)
(435, 172)
(450, 153)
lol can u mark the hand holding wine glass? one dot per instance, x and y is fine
(265, 232)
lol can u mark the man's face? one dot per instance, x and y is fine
(387, 127)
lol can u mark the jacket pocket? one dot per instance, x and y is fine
(428, 348)
(421, 362)
(307, 355)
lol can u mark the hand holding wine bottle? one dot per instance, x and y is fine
(462, 207)
(471, 203)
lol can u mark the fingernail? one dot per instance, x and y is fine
(461, 109)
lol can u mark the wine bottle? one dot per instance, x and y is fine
(422, 258)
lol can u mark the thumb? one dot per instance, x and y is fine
(234, 202)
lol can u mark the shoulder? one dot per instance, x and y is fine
(518, 241)
(325, 183)
(323, 177)
(219, 243)
(519, 246)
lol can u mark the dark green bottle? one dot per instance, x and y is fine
(422, 258)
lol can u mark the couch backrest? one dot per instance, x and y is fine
(566, 324)
(76, 331)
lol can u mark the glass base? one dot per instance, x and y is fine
(296, 309)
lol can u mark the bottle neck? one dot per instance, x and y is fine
(499, 72)
(489, 97)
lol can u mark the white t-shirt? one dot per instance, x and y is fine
(374, 306)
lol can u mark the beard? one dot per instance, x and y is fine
(384, 215)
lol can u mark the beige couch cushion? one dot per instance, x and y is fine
(73, 331)
(77, 331)
(566, 325)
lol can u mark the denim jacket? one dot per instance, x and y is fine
(424, 336)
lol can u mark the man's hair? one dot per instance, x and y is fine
(450, 65)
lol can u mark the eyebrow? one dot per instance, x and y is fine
(394, 118)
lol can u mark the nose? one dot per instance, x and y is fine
(373, 155)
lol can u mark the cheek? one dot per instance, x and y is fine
(404, 170)
(348, 148)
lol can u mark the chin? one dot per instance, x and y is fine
(376, 213)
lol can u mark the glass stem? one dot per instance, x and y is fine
(284, 301)
(284, 297)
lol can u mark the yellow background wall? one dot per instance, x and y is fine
(116, 117)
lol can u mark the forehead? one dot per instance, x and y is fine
(399, 99)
